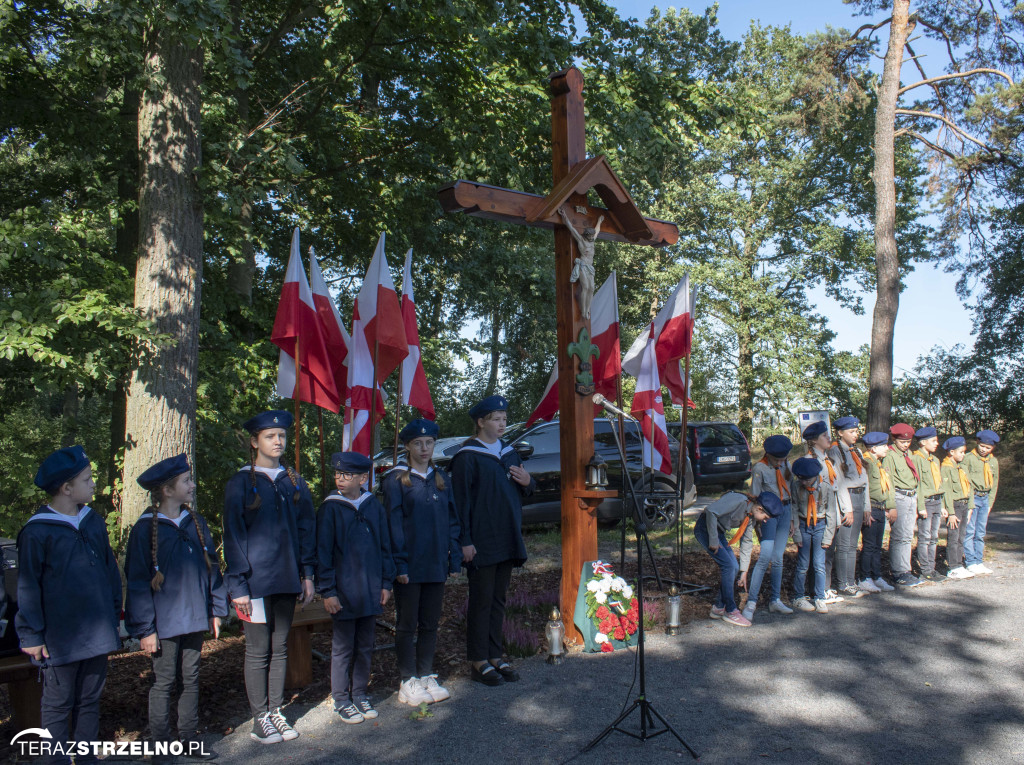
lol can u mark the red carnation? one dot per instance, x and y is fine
(607, 648)
(620, 634)
(606, 626)
(603, 612)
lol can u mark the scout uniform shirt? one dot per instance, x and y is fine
(956, 486)
(902, 469)
(879, 483)
(726, 513)
(855, 474)
(834, 477)
(764, 478)
(825, 506)
(974, 466)
(930, 474)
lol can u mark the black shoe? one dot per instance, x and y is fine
(194, 749)
(264, 731)
(934, 576)
(908, 580)
(507, 672)
(488, 675)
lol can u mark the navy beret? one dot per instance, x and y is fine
(814, 430)
(987, 437)
(771, 503)
(163, 471)
(875, 438)
(417, 429)
(901, 430)
(926, 432)
(488, 405)
(806, 467)
(954, 443)
(60, 467)
(351, 462)
(845, 423)
(275, 418)
(777, 446)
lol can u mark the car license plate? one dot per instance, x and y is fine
(729, 458)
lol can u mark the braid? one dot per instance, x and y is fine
(439, 481)
(201, 531)
(256, 499)
(295, 481)
(158, 578)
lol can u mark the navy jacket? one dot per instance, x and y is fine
(190, 595)
(489, 503)
(270, 549)
(424, 527)
(353, 554)
(69, 588)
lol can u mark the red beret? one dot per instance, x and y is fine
(902, 430)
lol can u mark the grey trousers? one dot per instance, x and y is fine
(847, 538)
(178, 657)
(955, 537)
(901, 534)
(928, 534)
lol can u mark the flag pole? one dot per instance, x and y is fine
(398, 415)
(298, 411)
(323, 463)
(373, 402)
(683, 456)
(622, 440)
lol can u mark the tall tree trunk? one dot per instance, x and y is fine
(887, 266)
(492, 377)
(162, 395)
(746, 384)
(242, 268)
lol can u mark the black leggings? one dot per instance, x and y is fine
(418, 607)
(488, 586)
(266, 654)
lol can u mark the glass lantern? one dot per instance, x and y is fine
(555, 633)
(673, 614)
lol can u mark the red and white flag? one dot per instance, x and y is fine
(336, 338)
(415, 391)
(673, 332)
(649, 409)
(604, 324)
(297, 327)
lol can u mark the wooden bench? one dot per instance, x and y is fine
(24, 688)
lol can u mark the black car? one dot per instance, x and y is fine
(718, 451)
(539, 448)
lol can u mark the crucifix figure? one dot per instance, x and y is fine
(573, 175)
(583, 268)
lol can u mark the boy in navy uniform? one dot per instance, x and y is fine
(69, 599)
(355, 570)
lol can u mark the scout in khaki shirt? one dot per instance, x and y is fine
(982, 469)
(900, 466)
(880, 493)
(958, 499)
(930, 511)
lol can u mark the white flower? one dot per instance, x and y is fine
(593, 585)
(620, 583)
(627, 592)
(600, 637)
(605, 585)
(600, 597)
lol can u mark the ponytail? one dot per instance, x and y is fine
(294, 477)
(256, 499)
(158, 578)
(439, 481)
(202, 530)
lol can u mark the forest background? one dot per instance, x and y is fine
(155, 156)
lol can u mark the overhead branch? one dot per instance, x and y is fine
(872, 27)
(956, 76)
(948, 123)
(292, 18)
(925, 78)
(942, 33)
(931, 145)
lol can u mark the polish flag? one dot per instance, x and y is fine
(649, 410)
(336, 338)
(604, 323)
(381, 314)
(673, 332)
(297, 326)
(415, 391)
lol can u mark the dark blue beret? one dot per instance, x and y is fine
(275, 418)
(987, 437)
(771, 503)
(806, 467)
(351, 462)
(926, 432)
(845, 423)
(778, 446)
(875, 438)
(954, 443)
(418, 429)
(163, 471)
(488, 405)
(60, 467)
(814, 430)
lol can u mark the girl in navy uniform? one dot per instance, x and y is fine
(424, 530)
(354, 575)
(175, 593)
(270, 552)
(69, 599)
(489, 481)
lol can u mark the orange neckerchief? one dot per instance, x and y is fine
(883, 477)
(783, 489)
(831, 471)
(965, 485)
(986, 466)
(853, 453)
(812, 506)
(741, 529)
(934, 465)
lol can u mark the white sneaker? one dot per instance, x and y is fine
(433, 688)
(985, 569)
(960, 573)
(831, 596)
(778, 607)
(748, 611)
(413, 693)
(803, 604)
(868, 586)
(883, 585)
(979, 568)
(820, 606)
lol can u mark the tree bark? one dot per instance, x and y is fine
(161, 405)
(492, 377)
(887, 266)
(746, 384)
(242, 269)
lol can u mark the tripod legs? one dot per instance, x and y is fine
(648, 728)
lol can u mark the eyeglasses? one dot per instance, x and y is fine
(344, 475)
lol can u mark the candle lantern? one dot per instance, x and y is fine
(597, 473)
(672, 618)
(555, 633)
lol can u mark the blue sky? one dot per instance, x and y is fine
(930, 312)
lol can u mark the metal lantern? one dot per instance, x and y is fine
(555, 633)
(597, 473)
(675, 603)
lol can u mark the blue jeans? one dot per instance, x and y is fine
(774, 535)
(727, 563)
(974, 538)
(811, 553)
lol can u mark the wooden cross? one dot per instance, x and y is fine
(574, 175)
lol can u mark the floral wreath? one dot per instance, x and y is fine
(611, 607)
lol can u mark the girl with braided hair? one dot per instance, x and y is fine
(270, 552)
(174, 595)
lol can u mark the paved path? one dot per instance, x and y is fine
(933, 676)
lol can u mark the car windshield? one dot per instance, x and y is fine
(514, 431)
(720, 435)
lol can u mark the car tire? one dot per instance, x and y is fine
(661, 513)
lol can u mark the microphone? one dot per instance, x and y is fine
(609, 406)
